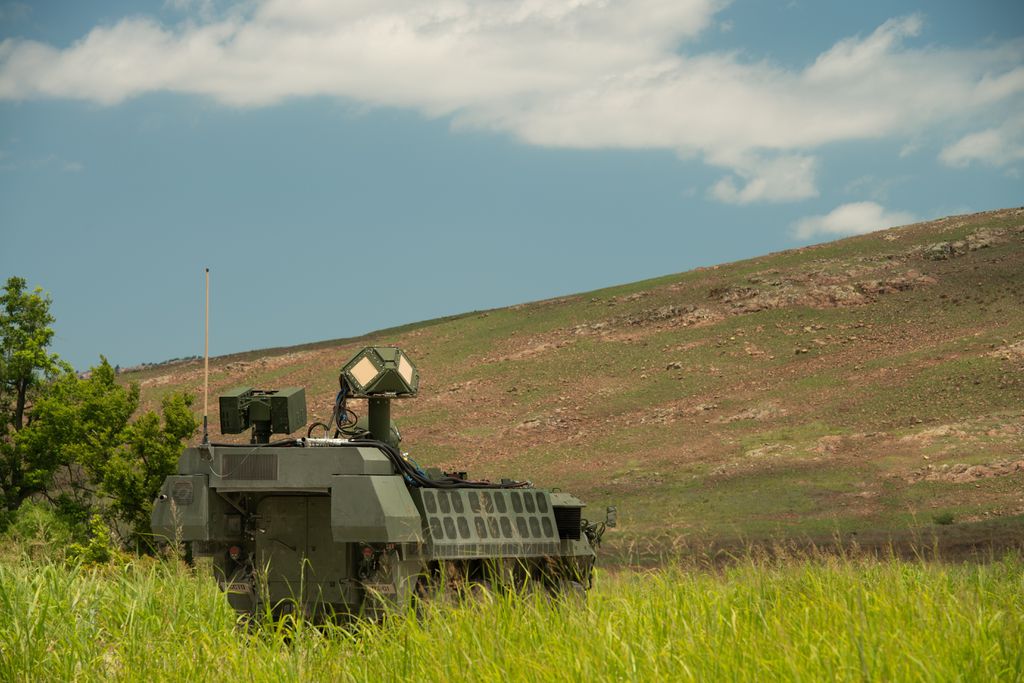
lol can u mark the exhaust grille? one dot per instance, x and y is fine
(252, 466)
(567, 519)
(461, 550)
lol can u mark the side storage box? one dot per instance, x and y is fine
(186, 509)
(373, 509)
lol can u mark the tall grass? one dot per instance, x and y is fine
(799, 619)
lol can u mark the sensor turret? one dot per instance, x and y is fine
(379, 374)
(267, 411)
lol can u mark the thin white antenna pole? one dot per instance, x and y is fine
(206, 365)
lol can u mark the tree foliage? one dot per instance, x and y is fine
(71, 439)
(76, 425)
(25, 367)
(148, 452)
(100, 460)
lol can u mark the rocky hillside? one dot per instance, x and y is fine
(871, 387)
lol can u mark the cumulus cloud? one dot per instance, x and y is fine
(783, 178)
(855, 218)
(563, 73)
(994, 146)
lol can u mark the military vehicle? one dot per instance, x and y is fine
(347, 523)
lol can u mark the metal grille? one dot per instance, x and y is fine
(181, 492)
(493, 549)
(259, 466)
(568, 521)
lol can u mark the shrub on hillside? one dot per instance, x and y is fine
(943, 518)
(38, 530)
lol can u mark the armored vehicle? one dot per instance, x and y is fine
(347, 523)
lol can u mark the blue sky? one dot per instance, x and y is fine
(343, 167)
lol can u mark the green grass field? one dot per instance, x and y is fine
(796, 618)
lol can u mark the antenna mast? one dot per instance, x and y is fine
(206, 364)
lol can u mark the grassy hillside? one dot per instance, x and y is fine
(863, 388)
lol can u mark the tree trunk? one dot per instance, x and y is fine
(19, 406)
(12, 493)
(14, 490)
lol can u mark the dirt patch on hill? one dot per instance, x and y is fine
(234, 368)
(531, 350)
(637, 480)
(667, 414)
(828, 444)
(766, 290)
(962, 473)
(757, 413)
(171, 378)
(759, 458)
(561, 419)
(979, 239)
(660, 318)
(926, 436)
(1010, 351)
(817, 289)
(270, 362)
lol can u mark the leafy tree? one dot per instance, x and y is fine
(82, 431)
(25, 366)
(77, 425)
(71, 440)
(133, 474)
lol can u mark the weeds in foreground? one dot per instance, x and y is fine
(764, 618)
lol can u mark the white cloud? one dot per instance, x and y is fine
(563, 73)
(910, 148)
(855, 218)
(994, 146)
(783, 178)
